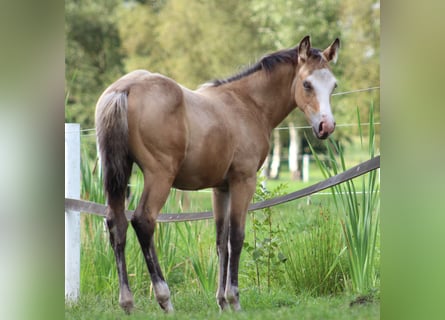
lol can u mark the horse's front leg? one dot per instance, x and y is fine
(220, 211)
(241, 193)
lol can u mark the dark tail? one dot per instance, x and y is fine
(112, 140)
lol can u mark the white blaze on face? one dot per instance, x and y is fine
(323, 83)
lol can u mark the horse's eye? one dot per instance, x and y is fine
(307, 85)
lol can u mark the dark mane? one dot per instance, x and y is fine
(268, 63)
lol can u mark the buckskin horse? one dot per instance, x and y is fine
(214, 137)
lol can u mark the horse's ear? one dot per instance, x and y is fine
(304, 48)
(331, 52)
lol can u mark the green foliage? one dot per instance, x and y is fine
(359, 60)
(203, 40)
(93, 56)
(194, 41)
(137, 24)
(283, 22)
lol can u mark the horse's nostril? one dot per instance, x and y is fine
(322, 133)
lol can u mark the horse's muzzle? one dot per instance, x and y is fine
(325, 128)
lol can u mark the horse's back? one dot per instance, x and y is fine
(157, 89)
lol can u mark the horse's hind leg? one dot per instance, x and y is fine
(117, 227)
(156, 190)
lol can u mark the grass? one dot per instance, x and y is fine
(196, 305)
(314, 267)
(191, 271)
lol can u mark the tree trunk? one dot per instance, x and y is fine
(276, 156)
(265, 171)
(293, 152)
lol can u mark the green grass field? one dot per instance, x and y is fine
(192, 305)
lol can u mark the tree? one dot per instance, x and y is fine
(360, 57)
(194, 41)
(93, 56)
(204, 40)
(137, 24)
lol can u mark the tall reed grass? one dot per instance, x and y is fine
(200, 254)
(359, 206)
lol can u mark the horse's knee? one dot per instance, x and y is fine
(144, 229)
(142, 224)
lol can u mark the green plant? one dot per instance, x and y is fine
(360, 223)
(264, 249)
(313, 254)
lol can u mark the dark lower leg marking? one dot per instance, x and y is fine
(236, 240)
(117, 231)
(144, 231)
(223, 257)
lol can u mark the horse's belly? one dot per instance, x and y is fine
(196, 182)
(206, 170)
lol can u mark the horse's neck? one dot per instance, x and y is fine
(271, 94)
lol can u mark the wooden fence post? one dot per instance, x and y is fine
(72, 218)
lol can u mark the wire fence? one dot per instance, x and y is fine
(91, 131)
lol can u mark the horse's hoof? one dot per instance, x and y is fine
(126, 301)
(223, 305)
(127, 306)
(167, 306)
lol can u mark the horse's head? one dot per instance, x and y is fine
(314, 84)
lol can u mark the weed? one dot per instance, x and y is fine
(265, 248)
